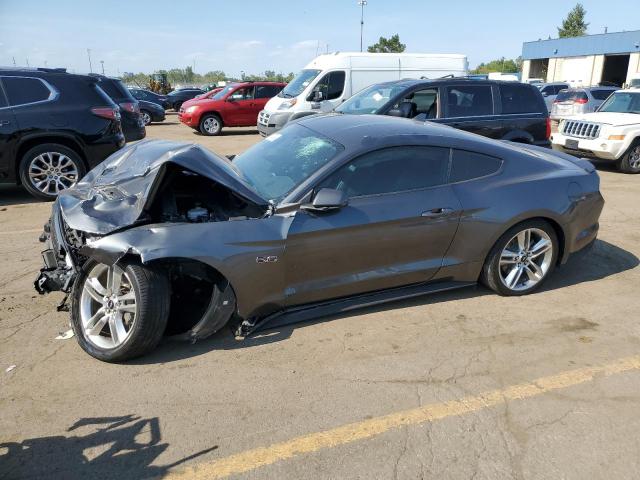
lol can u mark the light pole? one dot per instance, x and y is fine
(102, 63)
(89, 55)
(362, 3)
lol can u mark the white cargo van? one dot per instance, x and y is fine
(330, 79)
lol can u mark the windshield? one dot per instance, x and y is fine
(282, 161)
(370, 100)
(622, 102)
(301, 81)
(220, 95)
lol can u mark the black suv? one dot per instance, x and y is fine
(495, 109)
(132, 121)
(181, 95)
(54, 127)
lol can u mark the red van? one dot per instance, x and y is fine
(237, 105)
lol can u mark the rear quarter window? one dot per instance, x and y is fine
(601, 94)
(22, 90)
(467, 165)
(116, 90)
(518, 98)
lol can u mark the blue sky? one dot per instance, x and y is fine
(282, 35)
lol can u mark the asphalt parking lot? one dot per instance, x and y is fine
(457, 385)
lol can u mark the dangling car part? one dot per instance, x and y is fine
(331, 214)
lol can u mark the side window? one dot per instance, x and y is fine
(391, 170)
(22, 90)
(332, 85)
(245, 93)
(519, 98)
(468, 165)
(469, 100)
(267, 91)
(550, 90)
(3, 101)
(418, 103)
(601, 94)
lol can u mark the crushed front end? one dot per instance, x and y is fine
(61, 256)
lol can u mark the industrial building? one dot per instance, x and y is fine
(583, 61)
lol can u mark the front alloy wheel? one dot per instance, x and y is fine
(210, 125)
(630, 161)
(120, 311)
(522, 259)
(107, 306)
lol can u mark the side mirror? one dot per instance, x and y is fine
(545, 94)
(326, 199)
(318, 96)
(230, 99)
(395, 112)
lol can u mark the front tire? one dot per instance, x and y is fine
(119, 312)
(210, 125)
(630, 161)
(176, 106)
(522, 259)
(48, 169)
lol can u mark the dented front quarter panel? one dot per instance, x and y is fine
(232, 248)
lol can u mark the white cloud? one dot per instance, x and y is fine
(305, 45)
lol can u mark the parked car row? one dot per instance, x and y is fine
(56, 126)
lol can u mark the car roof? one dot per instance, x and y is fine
(352, 130)
(412, 82)
(39, 72)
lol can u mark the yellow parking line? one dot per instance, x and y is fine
(259, 457)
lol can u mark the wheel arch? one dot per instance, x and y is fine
(212, 112)
(520, 136)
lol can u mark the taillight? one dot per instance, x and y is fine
(106, 112)
(548, 128)
(581, 101)
(132, 107)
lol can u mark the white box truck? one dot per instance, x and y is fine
(330, 79)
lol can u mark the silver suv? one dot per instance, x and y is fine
(576, 101)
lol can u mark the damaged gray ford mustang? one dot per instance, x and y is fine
(332, 213)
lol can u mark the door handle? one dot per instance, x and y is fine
(437, 212)
(5, 122)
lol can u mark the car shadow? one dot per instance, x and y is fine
(163, 123)
(16, 195)
(602, 260)
(121, 447)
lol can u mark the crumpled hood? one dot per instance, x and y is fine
(115, 193)
(609, 118)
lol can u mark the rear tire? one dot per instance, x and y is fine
(50, 168)
(135, 306)
(176, 106)
(522, 259)
(210, 125)
(630, 161)
(146, 117)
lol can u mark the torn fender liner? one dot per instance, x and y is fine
(220, 309)
(115, 193)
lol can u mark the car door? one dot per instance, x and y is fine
(263, 94)
(331, 88)
(240, 108)
(8, 128)
(400, 219)
(470, 107)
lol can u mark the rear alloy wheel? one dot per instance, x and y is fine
(146, 117)
(522, 259)
(210, 125)
(48, 169)
(630, 161)
(119, 311)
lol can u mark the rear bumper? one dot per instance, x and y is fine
(583, 229)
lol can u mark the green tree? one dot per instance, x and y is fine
(388, 45)
(501, 65)
(574, 25)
